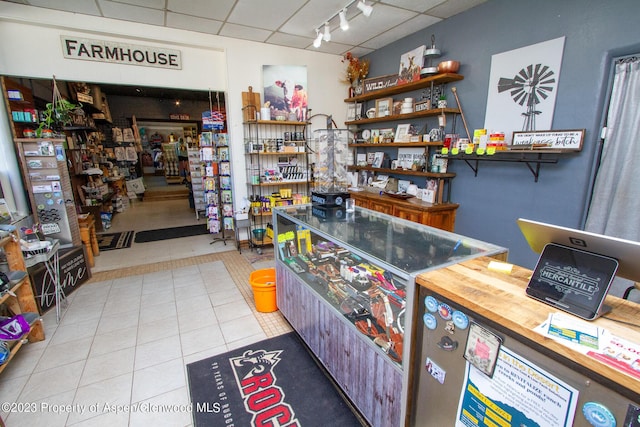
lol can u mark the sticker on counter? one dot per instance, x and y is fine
(447, 344)
(430, 321)
(598, 415)
(633, 416)
(431, 304)
(460, 320)
(436, 371)
(41, 188)
(444, 311)
(482, 349)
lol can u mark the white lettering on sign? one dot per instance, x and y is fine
(120, 53)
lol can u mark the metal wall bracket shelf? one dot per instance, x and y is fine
(532, 162)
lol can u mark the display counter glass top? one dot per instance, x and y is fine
(402, 245)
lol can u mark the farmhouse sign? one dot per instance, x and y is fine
(568, 140)
(120, 53)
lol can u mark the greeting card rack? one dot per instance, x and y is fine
(218, 193)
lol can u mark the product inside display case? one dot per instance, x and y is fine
(361, 264)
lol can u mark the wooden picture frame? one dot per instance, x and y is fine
(354, 111)
(402, 133)
(560, 140)
(384, 107)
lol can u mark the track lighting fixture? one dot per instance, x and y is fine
(327, 32)
(365, 8)
(344, 24)
(318, 41)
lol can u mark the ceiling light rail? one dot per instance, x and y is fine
(325, 34)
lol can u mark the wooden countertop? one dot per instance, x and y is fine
(413, 202)
(501, 299)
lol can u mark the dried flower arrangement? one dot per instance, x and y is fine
(357, 69)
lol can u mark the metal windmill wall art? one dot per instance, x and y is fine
(530, 86)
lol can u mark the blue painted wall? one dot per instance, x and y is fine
(595, 32)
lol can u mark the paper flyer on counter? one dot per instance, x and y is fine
(519, 393)
(593, 341)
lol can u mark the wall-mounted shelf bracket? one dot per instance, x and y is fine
(532, 162)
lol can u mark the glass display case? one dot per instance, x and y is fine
(346, 283)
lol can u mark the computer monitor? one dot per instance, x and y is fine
(626, 252)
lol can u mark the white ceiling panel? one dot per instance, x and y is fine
(246, 33)
(218, 10)
(128, 12)
(193, 23)
(413, 25)
(453, 7)
(290, 23)
(78, 6)
(291, 40)
(153, 4)
(267, 14)
(415, 5)
(313, 14)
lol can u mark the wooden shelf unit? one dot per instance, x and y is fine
(24, 299)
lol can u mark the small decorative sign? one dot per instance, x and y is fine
(565, 140)
(423, 105)
(382, 82)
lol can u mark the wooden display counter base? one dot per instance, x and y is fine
(442, 216)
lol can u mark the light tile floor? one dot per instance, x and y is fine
(127, 335)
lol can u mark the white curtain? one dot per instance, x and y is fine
(615, 203)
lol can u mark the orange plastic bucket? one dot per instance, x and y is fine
(263, 283)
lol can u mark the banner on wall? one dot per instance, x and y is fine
(120, 53)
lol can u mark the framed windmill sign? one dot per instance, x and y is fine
(523, 84)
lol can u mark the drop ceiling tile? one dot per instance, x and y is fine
(418, 23)
(193, 23)
(267, 14)
(153, 4)
(76, 6)
(244, 33)
(202, 8)
(453, 7)
(363, 28)
(332, 48)
(415, 5)
(314, 14)
(283, 39)
(126, 12)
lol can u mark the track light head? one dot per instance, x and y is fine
(365, 8)
(344, 24)
(327, 32)
(318, 40)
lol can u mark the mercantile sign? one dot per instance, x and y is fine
(120, 53)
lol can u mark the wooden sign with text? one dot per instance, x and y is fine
(565, 140)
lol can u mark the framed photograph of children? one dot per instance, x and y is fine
(402, 133)
(384, 107)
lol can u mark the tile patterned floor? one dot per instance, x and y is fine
(127, 335)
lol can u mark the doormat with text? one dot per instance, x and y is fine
(271, 382)
(111, 241)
